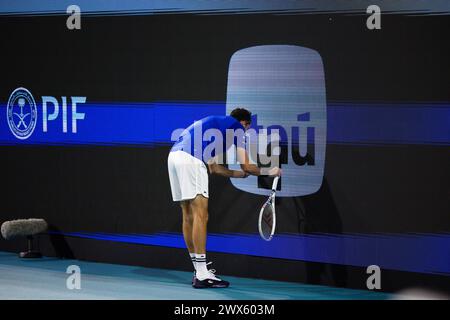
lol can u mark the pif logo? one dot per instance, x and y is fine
(284, 88)
(22, 113)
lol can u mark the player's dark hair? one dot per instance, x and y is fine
(241, 114)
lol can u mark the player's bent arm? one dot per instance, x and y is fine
(244, 161)
(253, 169)
(220, 170)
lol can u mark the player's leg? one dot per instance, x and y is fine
(199, 208)
(204, 278)
(188, 221)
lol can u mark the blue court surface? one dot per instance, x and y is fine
(46, 279)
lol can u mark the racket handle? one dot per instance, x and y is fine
(275, 183)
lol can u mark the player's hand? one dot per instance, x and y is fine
(274, 172)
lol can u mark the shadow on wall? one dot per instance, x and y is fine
(318, 213)
(59, 243)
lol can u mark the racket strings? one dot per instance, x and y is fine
(267, 220)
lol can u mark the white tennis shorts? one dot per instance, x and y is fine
(188, 176)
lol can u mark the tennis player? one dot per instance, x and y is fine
(188, 176)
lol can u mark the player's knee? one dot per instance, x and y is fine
(202, 215)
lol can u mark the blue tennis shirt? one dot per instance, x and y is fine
(207, 137)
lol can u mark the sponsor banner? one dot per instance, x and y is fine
(153, 123)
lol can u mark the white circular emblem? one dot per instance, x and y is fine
(21, 113)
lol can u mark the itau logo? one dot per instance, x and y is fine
(284, 88)
(21, 113)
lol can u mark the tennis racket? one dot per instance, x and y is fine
(267, 218)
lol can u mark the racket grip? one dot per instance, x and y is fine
(275, 183)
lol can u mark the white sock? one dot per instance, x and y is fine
(200, 266)
(193, 260)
